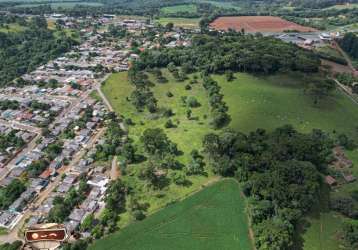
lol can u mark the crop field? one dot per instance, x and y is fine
(257, 102)
(253, 24)
(190, 8)
(189, 23)
(211, 219)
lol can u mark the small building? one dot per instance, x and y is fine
(330, 180)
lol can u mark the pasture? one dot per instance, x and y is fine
(189, 8)
(187, 134)
(189, 23)
(253, 24)
(211, 219)
(225, 5)
(269, 102)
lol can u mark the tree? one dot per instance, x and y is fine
(321, 89)
(156, 142)
(115, 196)
(274, 235)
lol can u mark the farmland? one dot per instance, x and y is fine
(225, 5)
(213, 218)
(258, 102)
(190, 8)
(180, 22)
(253, 24)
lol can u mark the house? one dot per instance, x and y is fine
(330, 180)
(349, 178)
(77, 214)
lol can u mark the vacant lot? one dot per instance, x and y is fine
(257, 102)
(189, 23)
(190, 8)
(254, 24)
(211, 219)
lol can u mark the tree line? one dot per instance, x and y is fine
(217, 53)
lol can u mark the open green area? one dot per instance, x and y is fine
(187, 134)
(321, 227)
(12, 27)
(213, 218)
(189, 8)
(343, 6)
(270, 102)
(225, 5)
(180, 22)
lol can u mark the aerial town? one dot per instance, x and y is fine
(177, 116)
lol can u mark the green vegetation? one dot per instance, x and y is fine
(10, 193)
(16, 245)
(180, 22)
(64, 5)
(187, 134)
(223, 4)
(214, 218)
(329, 53)
(269, 102)
(343, 6)
(18, 57)
(190, 8)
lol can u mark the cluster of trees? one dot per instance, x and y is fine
(16, 245)
(22, 52)
(113, 141)
(162, 156)
(349, 43)
(219, 108)
(10, 140)
(142, 96)
(349, 80)
(64, 205)
(9, 104)
(217, 53)
(281, 171)
(115, 199)
(10, 193)
(350, 233)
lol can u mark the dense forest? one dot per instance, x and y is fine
(22, 52)
(281, 172)
(234, 51)
(349, 43)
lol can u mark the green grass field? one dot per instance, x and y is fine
(190, 8)
(257, 102)
(211, 219)
(188, 134)
(343, 6)
(189, 23)
(12, 27)
(328, 50)
(225, 5)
